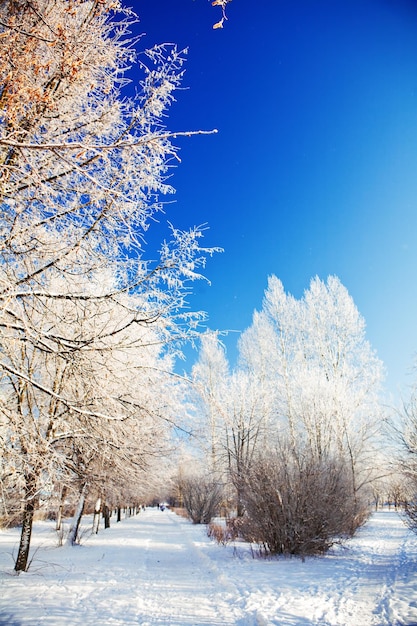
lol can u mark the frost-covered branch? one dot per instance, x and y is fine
(88, 323)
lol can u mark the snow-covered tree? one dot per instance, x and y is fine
(112, 405)
(82, 169)
(307, 381)
(210, 376)
(321, 371)
(232, 408)
(82, 166)
(404, 490)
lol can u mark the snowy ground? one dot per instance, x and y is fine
(157, 568)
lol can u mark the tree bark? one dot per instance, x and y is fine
(106, 515)
(27, 521)
(96, 520)
(60, 509)
(75, 524)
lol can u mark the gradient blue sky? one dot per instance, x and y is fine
(314, 168)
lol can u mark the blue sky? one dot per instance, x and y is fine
(314, 168)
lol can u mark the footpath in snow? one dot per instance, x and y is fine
(157, 568)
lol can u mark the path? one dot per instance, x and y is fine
(156, 569)
(179, 584)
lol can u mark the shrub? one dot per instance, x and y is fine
(202, 497)
(221, 534)
(299, 504)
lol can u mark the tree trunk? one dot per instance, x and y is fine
(106, 515)
(239, 491)
(239, 503)
(60, 508)
(96, 519)
(75, 524)
(25, 536)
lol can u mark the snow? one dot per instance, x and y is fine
(157, 568)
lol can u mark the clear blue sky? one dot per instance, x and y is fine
(314, 168)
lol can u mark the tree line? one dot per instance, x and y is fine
(89, 325)
(295, 428)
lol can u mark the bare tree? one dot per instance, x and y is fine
(202, 497)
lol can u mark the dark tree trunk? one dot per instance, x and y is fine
(119, 514)
(239, 496)
(239, 505)
(27, 521)
(106, 515)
